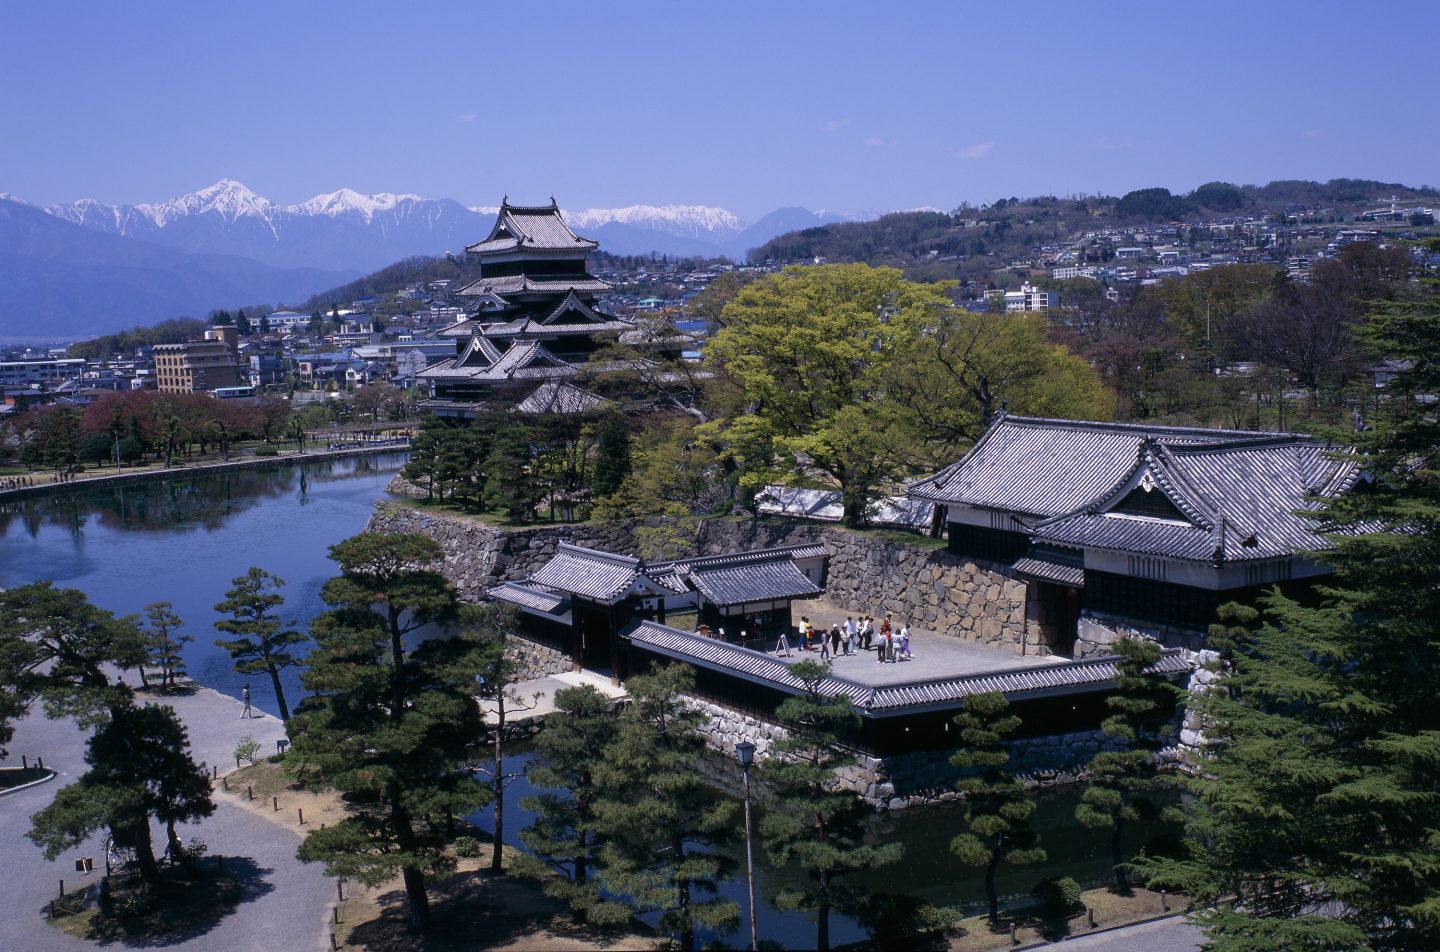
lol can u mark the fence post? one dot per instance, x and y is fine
(40, 762)
(1090, 913)
(275, 802)
(249, 792)
(300, 812)
(1164, 901)
(1013, 940)
(24, 761)
(62, 889)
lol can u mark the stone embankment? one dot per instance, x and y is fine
(870, 574)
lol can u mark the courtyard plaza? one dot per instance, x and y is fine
(935, 656)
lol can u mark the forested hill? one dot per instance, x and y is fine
(1011, 226)
(389, 280)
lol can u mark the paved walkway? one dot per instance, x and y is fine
(288, 904)
(1163, 935)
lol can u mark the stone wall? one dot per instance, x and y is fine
(1096, 632)
(901, 781)
(928, 587)
(535, 660)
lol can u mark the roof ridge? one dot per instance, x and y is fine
(1129, 427)
(615, 557)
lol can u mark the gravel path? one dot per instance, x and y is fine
(288, 905)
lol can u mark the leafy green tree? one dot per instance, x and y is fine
(612, 456)
(963, 366)
(997, 811)
(811, 824)
(393, 728)
(660, 823)
(164, 644)
(1316, 807)
(565, 834)
(264, 642)
(811, 351)
(1125, 783)
(140, 767)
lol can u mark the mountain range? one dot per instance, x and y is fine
(88, 267)
(348, 230)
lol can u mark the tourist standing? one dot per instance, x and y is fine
(849, 635)
(245, 700)
(905, 642)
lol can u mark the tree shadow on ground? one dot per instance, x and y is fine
(185, 906)
(505, 910)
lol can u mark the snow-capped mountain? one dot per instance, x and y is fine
(347, 229)
(60, 279)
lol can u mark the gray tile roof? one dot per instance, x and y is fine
(1046, 467)
(532, 227)
(1051, 572)
(524, 284)
(735, 578)
(753, 582)
(589, 573)
(531, 596)
(890, 699)
(1240, 501)
(559, 397)
(522, 360)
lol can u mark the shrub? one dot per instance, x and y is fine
(267, 449)
(1061, 895)
(247, 749)
(467, 847)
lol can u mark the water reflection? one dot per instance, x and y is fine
(183, 539)
(928, 871)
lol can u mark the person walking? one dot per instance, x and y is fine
(867, 632)
(245, 700)
(905, 643)
(824, 645)
(835, 638)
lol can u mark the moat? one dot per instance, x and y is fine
(184, 539)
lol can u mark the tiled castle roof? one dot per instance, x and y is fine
(889, 699)
(531, 228)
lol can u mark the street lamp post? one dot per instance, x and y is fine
(745, 754)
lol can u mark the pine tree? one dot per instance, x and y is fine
(165, 645)
(140, 767)
(511, 484)
(58, 648)
(264, 643)
(1317, 812)
(496, 676)
(1125, 782)
(423, 467)
(565, 833)
(612, 456)
(997, 811)
(660, 822)
(811, 823)
(393, 728)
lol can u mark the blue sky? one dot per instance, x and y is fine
(835, 105)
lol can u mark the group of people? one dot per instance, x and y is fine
(16, 482)
(891, 641)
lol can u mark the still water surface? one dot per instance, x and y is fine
(184, 539)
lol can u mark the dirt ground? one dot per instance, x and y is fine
(1111, 909)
